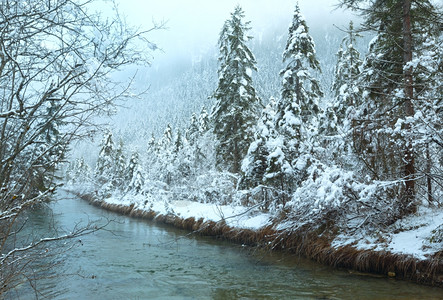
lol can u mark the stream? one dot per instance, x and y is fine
(137, 259)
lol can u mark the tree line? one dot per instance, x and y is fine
(373, 152)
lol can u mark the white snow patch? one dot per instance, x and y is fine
(234, 216)
(410, 236)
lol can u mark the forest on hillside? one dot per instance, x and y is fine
(359, 143)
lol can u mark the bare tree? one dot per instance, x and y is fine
(57, 59)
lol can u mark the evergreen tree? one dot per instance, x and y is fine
(256, 163)
(224, 48)
(193, 129)
(152, 145)
(345, 87)
(234, 113)
(203, 121)
(427, 126)
(78, 171)
(166, 140)
(119, 164)
(178, 143)
(137, 181)
(165, 157)
(50, 149)
(51, 130)
(386, 144)
(105, 161)
(298, 84)
(132, 167)
(296, 116)
(336, 124)
(151, 156)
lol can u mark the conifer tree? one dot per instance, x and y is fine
(386, 139)
(152, 145)
(48, 150)
(166, 140)
(234, 113)
(299, 86)
(119, 164)
(137, 181)
(105, 161)
(178, 143)
(133, 165)
(339, 116)
(80, 171)
(296, 118)
(347, 93)
(203, 121)
(427, 125)
(193, 129)
(51, 130)
(256, 163)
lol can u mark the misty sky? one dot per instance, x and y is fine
(194, 25)
(193, 31)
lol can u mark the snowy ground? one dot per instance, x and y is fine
(414, 235)
(234, 216)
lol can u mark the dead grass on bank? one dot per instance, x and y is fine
(303, 242)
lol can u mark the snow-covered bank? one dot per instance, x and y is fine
(419, 235)
(234, 216)
(402, 250)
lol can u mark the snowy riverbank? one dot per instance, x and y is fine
(404, 249)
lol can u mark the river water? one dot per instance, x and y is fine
(136, 259)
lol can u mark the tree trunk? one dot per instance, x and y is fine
(428, 175)
(409, 169)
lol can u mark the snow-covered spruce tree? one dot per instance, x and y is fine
(193, 129)
(150, 157)
(152, 146)
(166, 140)
(386, 140)
(235, 111)
(299, 85)
(193, 156)
(427, 125)
(119, 168)
(165, 157)
(203, 121)
(256, 162)
(132, 167)
(178, 142)
(338, 117)
(106, 158)
(297, 109)
(347, 93)
(137, 181)
(78, 171)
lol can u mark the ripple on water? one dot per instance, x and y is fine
(134, 259)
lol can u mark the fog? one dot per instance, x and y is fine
(183, 73)
(193, 26)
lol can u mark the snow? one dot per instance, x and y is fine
(409, 236)
(235, 216)
(242, 91)
(249, 72)
(291, 120)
